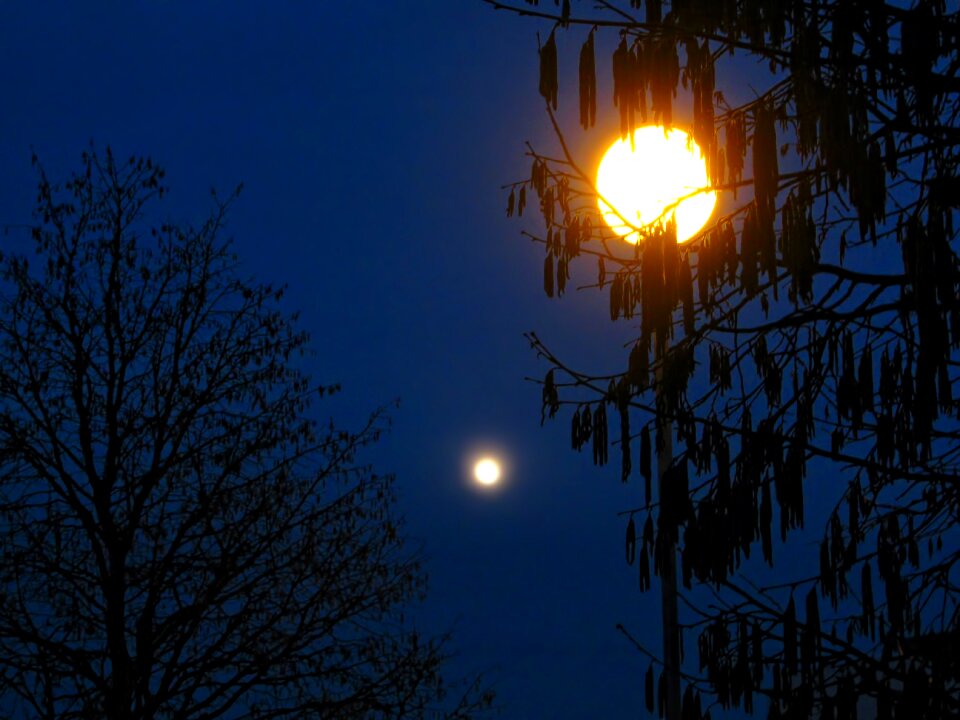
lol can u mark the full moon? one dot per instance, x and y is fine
(644, 181)
(487, 471)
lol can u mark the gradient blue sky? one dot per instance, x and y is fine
(372, 139)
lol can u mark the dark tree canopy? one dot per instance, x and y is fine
(178, 536)
(813, 329)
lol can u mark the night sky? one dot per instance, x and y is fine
(373, 140)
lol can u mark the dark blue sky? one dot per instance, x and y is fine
(372, 139)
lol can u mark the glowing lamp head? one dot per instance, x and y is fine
(487, 471)
(663, 174)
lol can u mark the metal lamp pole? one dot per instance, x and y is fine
(668, 571)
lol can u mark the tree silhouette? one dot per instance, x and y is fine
(813, 330)
(178, 538)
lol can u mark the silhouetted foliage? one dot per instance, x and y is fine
(178, 538)
(813, 327)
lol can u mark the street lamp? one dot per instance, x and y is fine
(657, 175)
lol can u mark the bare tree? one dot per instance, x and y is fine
(813, 325)
(178, 538)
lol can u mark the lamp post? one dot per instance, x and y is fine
(668, 570)
(640, 179)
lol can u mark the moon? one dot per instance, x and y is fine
(487, 471)
(644, 181)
